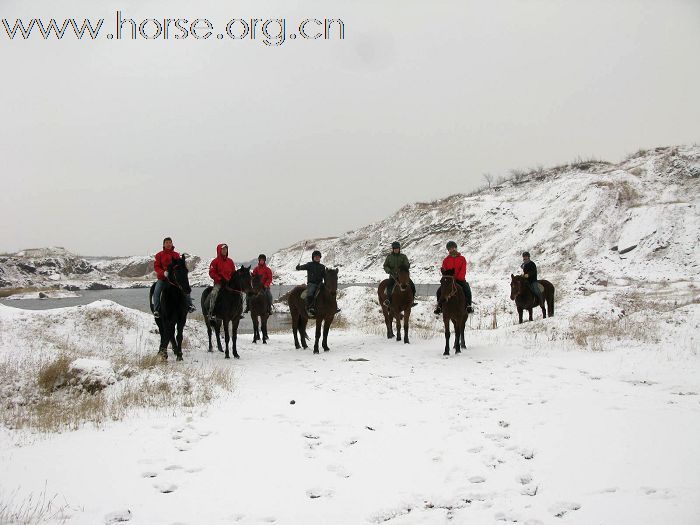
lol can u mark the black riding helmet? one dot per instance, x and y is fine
(315, 253)
(451, 244)
(395, 244)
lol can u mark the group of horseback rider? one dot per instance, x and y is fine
(221, 270)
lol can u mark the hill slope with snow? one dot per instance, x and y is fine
(589, 222)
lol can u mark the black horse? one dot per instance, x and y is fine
(228, 308)
(173, 307)
(259, 308)
(525, 299)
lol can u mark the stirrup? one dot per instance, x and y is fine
(386, 302)
(156, 314)
(438, 310)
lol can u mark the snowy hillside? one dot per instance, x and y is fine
(57, 267)
(585, 224)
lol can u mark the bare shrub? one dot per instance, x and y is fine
(32, 509)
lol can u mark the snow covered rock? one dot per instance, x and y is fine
(92, 375)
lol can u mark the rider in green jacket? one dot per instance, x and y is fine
(392, 263)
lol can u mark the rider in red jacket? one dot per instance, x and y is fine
(264, 271)
(160, 265)
(221, 270)
(456, 261)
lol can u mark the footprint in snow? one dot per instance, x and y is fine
(119, 516)
(524, 479)
(165, 488)
(173, 467)
(339, 470)
(527, 453)
(529, 491)
(316, 493)
(477, 479)
(559, 510)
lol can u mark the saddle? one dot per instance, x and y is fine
(304, 294)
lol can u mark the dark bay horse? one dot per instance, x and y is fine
(259, 308)
(454, 308)
(401, 304)
(228, 309)
(525, 299)
(326, 308)
(173, 307)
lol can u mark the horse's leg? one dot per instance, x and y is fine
(397, 320)
(326, 328)
(264, 328)
(180, 327)
(296, 323)
(406, 315)
(227, 338)
(447, 335)
(529, 312)
(303, 321)
(234, 336)
(256, 333)
(544, 312)
(217, 332)
(388, 322)
(520, 315)
(463, 343)
(457, 323)
(319, 320)
(211, 348)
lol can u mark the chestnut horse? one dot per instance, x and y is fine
(454, 308)
(326, 308)
(401, 303)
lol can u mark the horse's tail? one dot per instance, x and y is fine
(549, 296)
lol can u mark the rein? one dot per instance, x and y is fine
(453, 291)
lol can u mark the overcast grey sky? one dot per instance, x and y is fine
(107, 146)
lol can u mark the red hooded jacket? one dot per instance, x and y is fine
(221, 268)
(163, 260)
(458, 264)
(265, 272)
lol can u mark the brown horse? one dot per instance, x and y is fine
(228, 309)
(454, 308)
(326, 308)
(525, 299)
(401, 302)
(259, 308)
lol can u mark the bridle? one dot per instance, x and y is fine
(454, 287)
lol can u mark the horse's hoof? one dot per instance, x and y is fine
(179, 357)
(405, 341)
(305, 347)
(315, 350)
(458, 351)
(221, 351)
(210, 350)
(297, 347)
(236, 356)
(326, 349)
(446, 353)
(227, 357)
(265, 341)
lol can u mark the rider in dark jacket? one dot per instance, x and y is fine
(530, 273)
(315, 274)
(393, 262)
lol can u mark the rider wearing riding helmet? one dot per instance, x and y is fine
(160, 265)
(315, 274)
(530, 273)
(393, 262)
(456, 261)
(265, 273)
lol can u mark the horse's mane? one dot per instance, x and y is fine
(448, 272)
(403, 268)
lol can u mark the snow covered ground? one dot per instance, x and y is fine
(528, 425)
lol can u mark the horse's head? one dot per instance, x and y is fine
(178, 274)
(331, 280)
(256, 283)
(241, 279)
(518, 284)
(447, 284)
(404, 278)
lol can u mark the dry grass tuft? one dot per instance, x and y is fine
(54, 374)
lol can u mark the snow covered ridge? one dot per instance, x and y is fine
(57, 267)
(590, 221)
(60, 368)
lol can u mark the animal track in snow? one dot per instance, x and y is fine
(149, 474)
(119, 516)
(477, 479)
